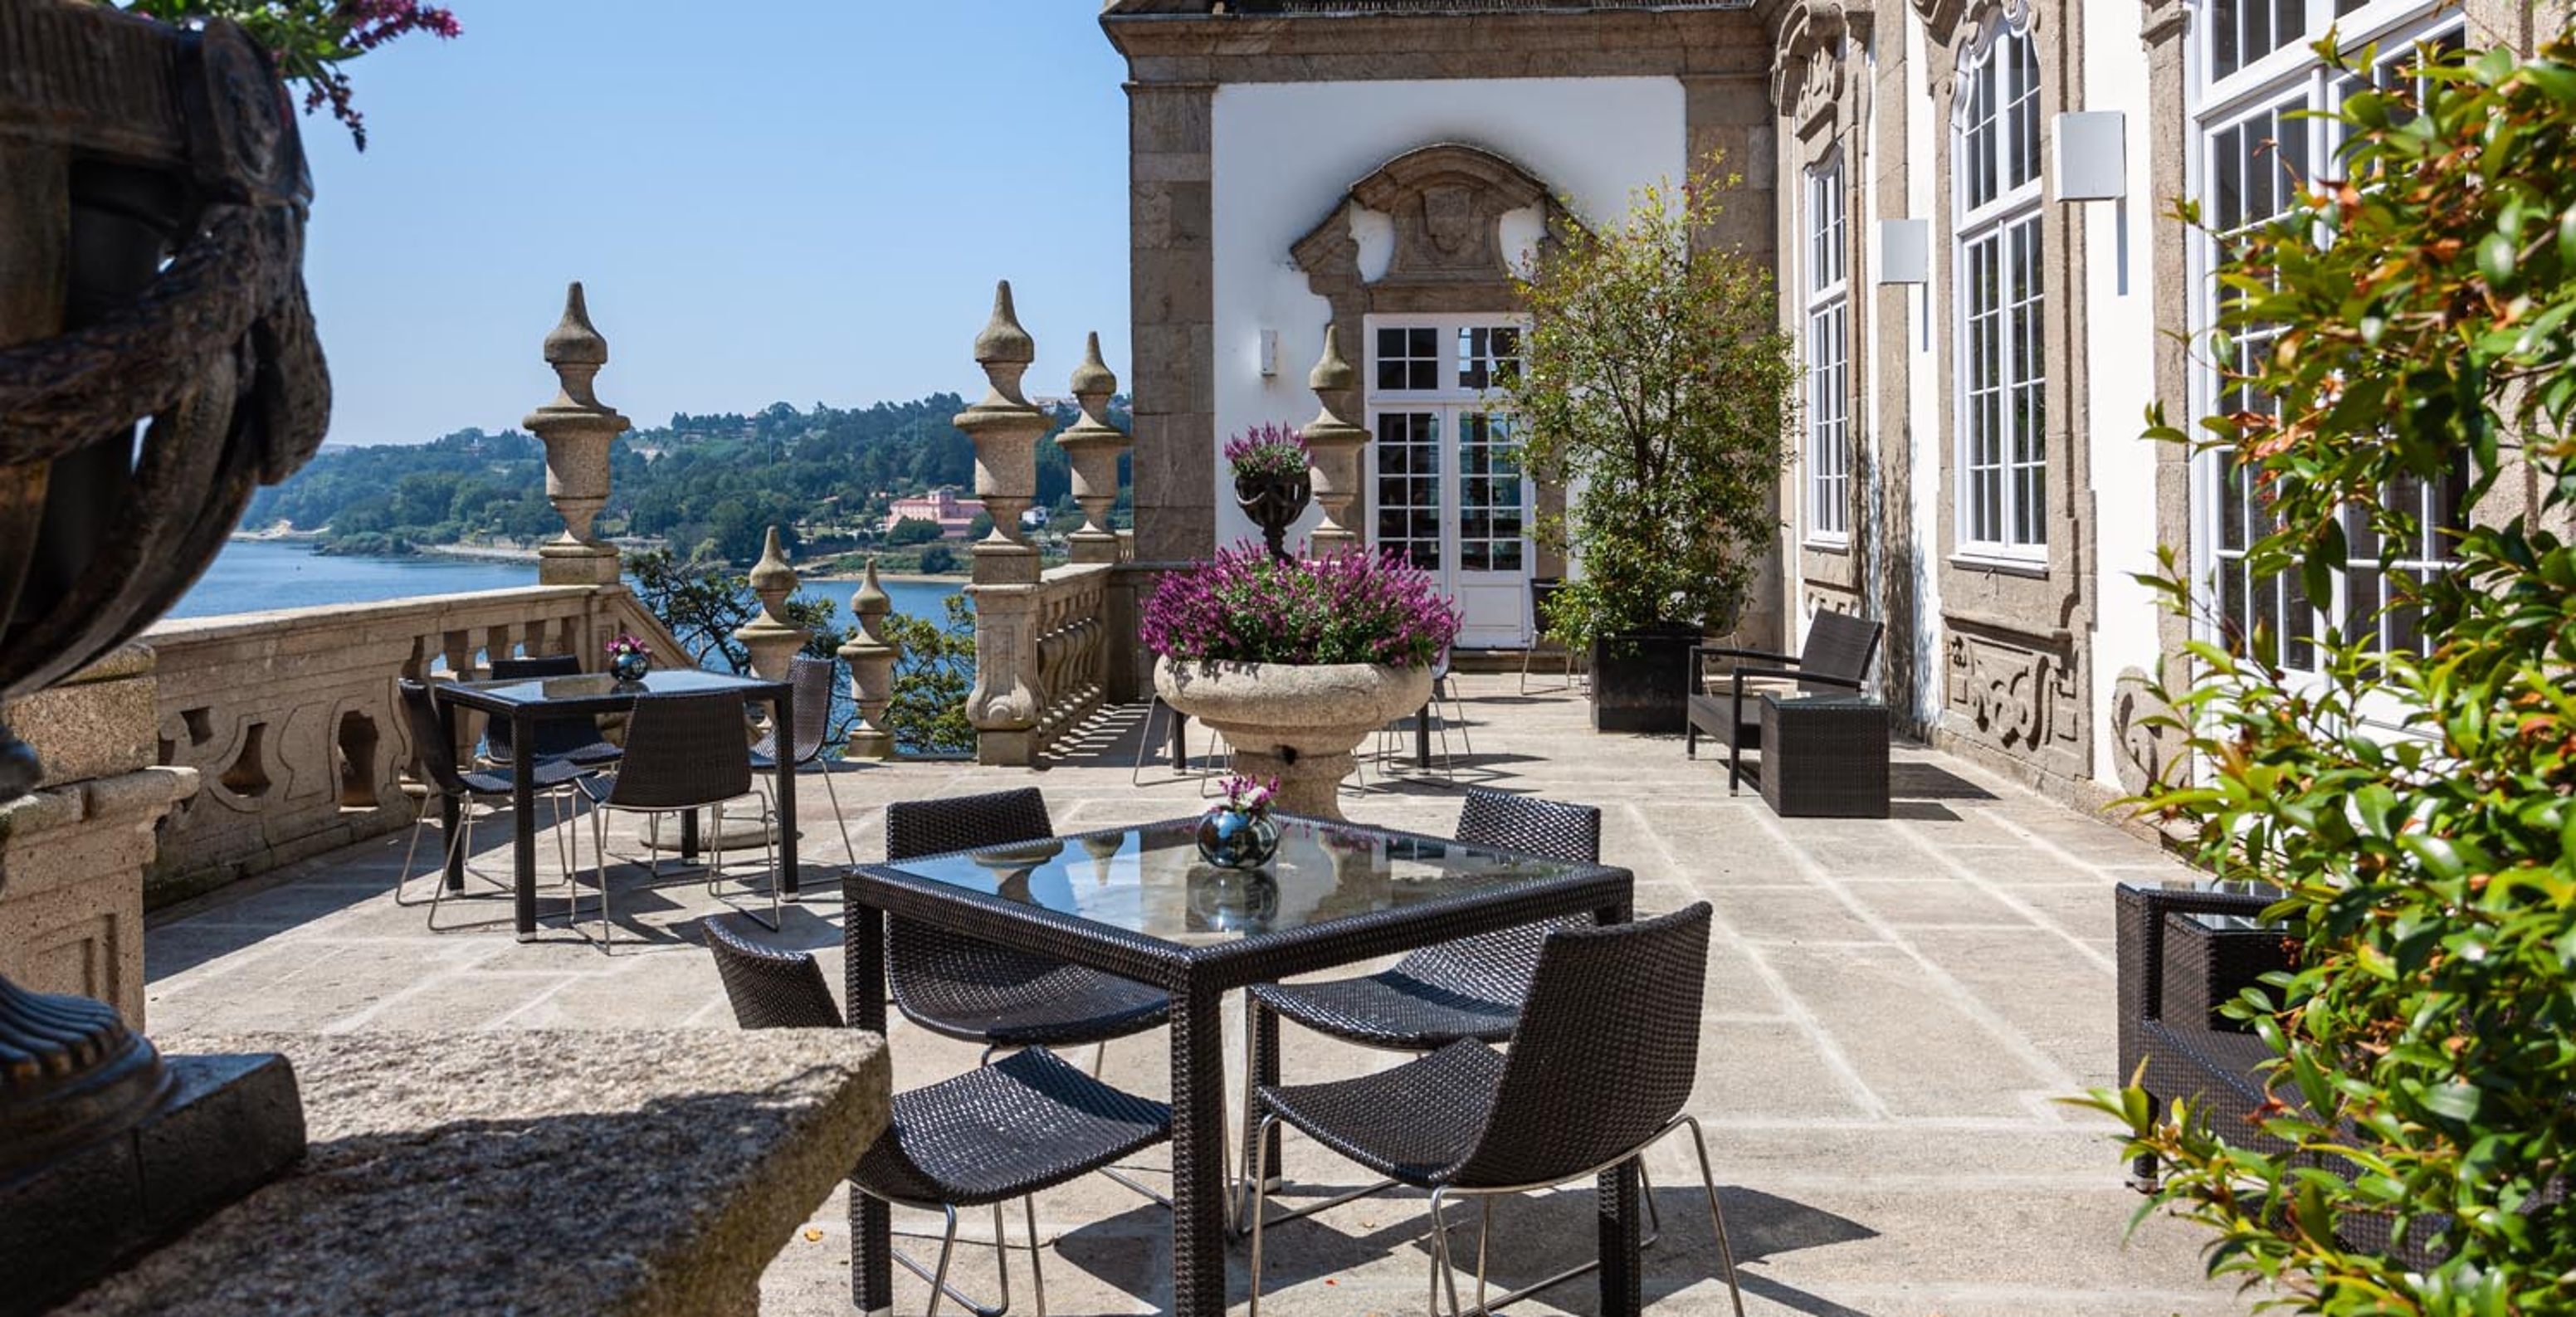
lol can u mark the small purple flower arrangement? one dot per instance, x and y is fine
(629, 658)
(1248, 797)
(1267, 452)
(1245, 606)
(1238, 832)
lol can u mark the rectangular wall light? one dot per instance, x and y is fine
(2092, 155)
(1904, 254)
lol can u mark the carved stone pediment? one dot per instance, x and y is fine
(1448, 203)
(1809, 64)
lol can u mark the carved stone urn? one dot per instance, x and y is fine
(1293, 721)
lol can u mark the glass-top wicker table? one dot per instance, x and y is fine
(524, 700)
(1138, 902)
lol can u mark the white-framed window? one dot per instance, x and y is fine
(2257, 85)
(1996, 263)
(1828, 358)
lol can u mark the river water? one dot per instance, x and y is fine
(252, 576)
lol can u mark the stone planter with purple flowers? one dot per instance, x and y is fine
(1297, 722)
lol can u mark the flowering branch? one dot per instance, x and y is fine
(311, 39)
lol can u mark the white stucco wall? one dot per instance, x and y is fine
(1923, 385)
(1285, 154)
(2120, 347)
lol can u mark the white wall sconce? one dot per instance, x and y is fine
(2092, 155)
(1269, 354)
(1904, 254)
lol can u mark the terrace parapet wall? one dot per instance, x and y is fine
(290, 719)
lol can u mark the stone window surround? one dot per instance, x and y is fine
(1435, 269)
(1821, 102)
(2016, 635)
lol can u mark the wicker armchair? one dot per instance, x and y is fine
(998, 1132)
(574, 739)
(812, 679)
(1837, 656)
(683, 752)
(1605, 1056)
(434, 759)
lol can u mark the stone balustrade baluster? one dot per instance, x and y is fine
(577, 429)
(1004, 427)
(773, 638)
(1333, 448)
(1093, 446)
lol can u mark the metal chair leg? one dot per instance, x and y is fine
(1716, 1218)
(1260, 1200)
(833, 794)
(1037, 1271)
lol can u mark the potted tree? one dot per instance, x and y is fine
(1296, 660)
(1657, 389)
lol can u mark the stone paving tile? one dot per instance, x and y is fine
(1891, 1006)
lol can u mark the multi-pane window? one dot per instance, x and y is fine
(1408, 485)
(2260, 137)
(1828, 358)
(1487, 355)
(1408, 358)
(2003, 462)
(1491, 536)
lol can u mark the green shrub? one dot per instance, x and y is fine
(2427, 1036)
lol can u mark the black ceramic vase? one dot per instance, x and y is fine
(1274, 503)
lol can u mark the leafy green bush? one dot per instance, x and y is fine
(1659, 384)
(912, 530)
(2427, 1037)
(932, 677)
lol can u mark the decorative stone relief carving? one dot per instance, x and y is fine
(2020, 699)
(2145, 754)
(1809, 68)
(2161, 19)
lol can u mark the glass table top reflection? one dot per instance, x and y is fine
(599, 687)
(1150, 878)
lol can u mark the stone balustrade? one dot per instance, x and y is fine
(293, 725)
(1072, 628)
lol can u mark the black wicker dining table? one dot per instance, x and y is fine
(524, 701)
(1139, 902)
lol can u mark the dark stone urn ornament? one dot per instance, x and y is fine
(151, 256)
(1273, 481)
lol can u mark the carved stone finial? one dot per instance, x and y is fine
(1093, 445)
(1332, 374)
(773, 638)
(1004, 427)
(870, 657)
(577, 429)
(1093, 375)
(1333, 449)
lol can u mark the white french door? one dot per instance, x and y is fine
(1450, 495)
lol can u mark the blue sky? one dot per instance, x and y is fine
(788, 200)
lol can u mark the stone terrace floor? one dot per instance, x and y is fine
(1893, 1008)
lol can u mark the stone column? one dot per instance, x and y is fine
(771, 637)
(576, 428)
(871, 659)
(1005, 428)
(1093, 445)
(1333, 446)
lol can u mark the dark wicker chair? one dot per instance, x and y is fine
(982, 993)
(683, 752)
(1469, 988)
(1543, 592)
(770, 987)
(574, 739)
(1007, 1130)
(434, 759)
(1837, 656)
(812, 678)
(1605, 1056)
